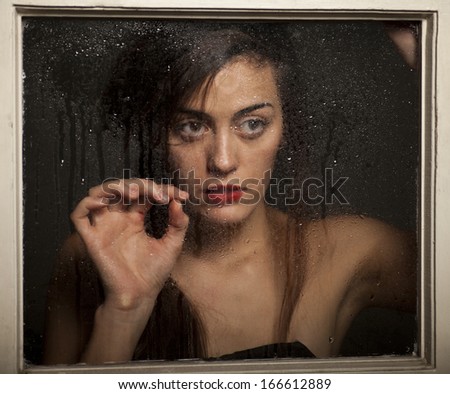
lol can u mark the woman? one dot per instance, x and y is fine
(230, 273)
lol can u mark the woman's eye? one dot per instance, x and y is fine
(252, 128)
(190, 129)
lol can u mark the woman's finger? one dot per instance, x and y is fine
(171, 192)
(124, 192)
(178, 224)
(140, 206)
(81, 215)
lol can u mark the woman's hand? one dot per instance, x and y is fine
(132, 265)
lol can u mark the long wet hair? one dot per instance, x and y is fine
(153, 79)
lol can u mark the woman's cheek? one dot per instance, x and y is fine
(178, 158)
(186, 166)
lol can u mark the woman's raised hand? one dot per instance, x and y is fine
(133, 266)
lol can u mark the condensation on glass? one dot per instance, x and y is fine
(358, 116)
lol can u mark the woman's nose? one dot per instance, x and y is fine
(222, 158)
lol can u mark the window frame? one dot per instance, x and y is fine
(434, 297)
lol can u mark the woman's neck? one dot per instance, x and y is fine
(216, 242)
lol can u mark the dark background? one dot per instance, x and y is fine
(361, 119)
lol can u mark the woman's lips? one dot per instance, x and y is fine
(223, 194)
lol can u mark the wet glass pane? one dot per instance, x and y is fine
(306, 148)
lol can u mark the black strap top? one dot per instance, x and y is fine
(276, 350)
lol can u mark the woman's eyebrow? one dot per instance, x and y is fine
(194, 113)
(204, 116)
(251, 108)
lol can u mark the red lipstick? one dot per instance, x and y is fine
(223, 194)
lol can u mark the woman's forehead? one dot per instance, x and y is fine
(239, 82)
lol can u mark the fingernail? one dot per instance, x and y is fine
(157, 195)
(164, 198)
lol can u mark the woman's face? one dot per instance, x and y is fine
(223, 141)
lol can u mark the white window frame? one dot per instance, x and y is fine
(434, 335)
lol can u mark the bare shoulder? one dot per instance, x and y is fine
(65, 334)
(71, 253)
(378, 260)
(351, 263)
(362, 234)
